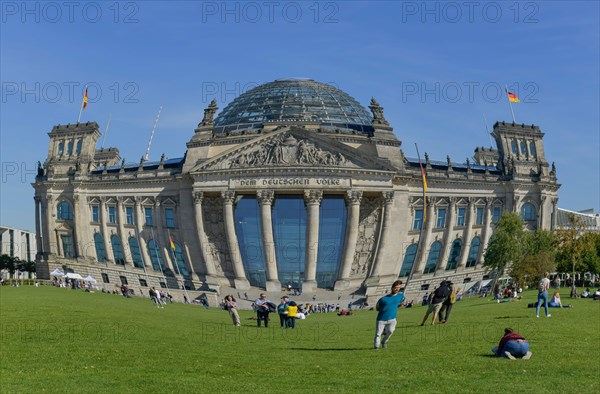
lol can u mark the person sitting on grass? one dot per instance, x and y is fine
(512, 346)
(555, 302)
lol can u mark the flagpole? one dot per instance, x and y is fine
(137, 236)
(487, 129)
(177, 266)
(419, 246)
(152, 134)
(82, 102)
(158, 257)
(106, 131)
(510, 104)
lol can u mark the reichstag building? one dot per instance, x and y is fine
(294, 182)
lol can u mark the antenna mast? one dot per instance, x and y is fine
(152, 135)
(106, 131)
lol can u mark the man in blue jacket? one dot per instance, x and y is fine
(386, 318)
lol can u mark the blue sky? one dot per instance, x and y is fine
(435, 67)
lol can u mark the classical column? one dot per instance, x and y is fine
(385, 234)
(38, 228)
(464, 253)
(265, 199)
(52, 242)
(104, 230)
(487, 230)
(234, 249)
(209, 265)
(353, 198)
(447, 242)
(425, 239)
(77, 228)
(121, 232)
(139, 226)
(554, 213)
(165, 248)
(313, 201)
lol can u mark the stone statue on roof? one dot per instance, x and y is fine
(209, 114)
(377, 111)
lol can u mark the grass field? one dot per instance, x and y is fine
(60, 340)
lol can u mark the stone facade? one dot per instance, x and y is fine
(126, 217)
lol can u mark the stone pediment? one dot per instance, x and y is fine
(293, 148)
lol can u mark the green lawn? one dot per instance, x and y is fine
(60, 340)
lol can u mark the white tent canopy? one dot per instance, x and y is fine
(90, 278)
(57, 272)
(73, 275)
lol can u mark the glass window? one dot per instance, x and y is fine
(170, 217)
(418, 222)
(157, 262)
(454, 255)
(123, 280)
(249, 233)
(112, 214)
(473, 252)
(432, 259)
(67, 243)
(78, 148)
(129, 214)
(289, 233)
(70, 148)
(61, 148)
(117, 250)
(105, 278)
(479, 215)
(460, 220)
(523, 148)
(64, 211)
(332, 231)
(441, 218)
(532, 149)
(100, 250)
(95, 214)
(136, 256)
(409, 259)
(180, 265)
(514, 147)
(497, 213)
(148, 215)
(528, 213)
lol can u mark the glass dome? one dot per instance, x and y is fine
(293, 100)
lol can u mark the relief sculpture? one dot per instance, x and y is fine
(212, 210)
(368, 233)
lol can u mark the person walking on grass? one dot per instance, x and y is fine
(262, 309)
(231, 307)
(281, 310)
(447, 305)
(387, 308)
(437, 299)
(543, 287)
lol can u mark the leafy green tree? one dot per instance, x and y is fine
(506, 244)
(9, 263)
(539, 256)
(573, 245)
(591, 255)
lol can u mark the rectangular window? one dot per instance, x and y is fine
(67, 243)
(497, 213)
(418, 222)
(129, 214)
(163, 285)
(479, 216)
(170, 217)
(123, 280)
(112, 214)
(425, 287)
(143, 283)
(441, 218)
(460, 220)
(95, 214)
(148, 214)
(105, 278)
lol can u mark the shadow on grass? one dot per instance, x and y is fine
(488, 355)
(513, 317)
(316, 349)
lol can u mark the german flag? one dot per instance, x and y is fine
(172, 243)
(85, 99)
(424, 191)
(512, 97)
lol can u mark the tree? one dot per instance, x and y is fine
(9, 263)
(591, 256)
(539, 256)
(506, 244)
(573, 245)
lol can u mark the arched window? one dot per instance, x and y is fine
(70, 148)
(64, 211)
(136, 256)
(409, 260)
(115, 241)
(514, 147)
(523, 148)
(528, 213)
(180, 260)
(432, 259)
(454, 255)
(78, 148)
(100, 251)
(532, 149)
(157, 261)
(473, 252)
(61, 148)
